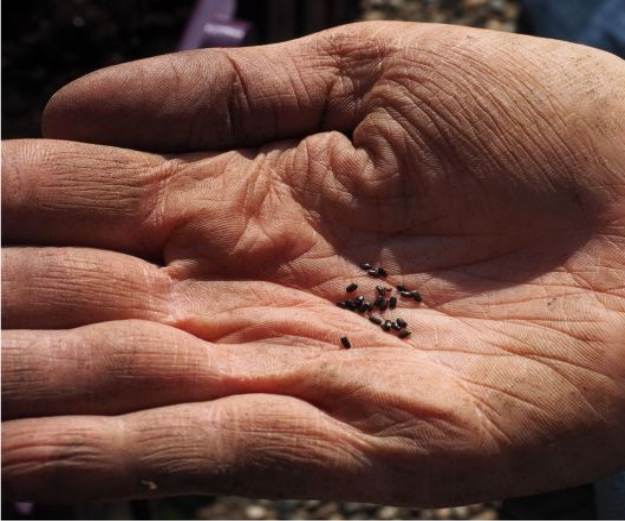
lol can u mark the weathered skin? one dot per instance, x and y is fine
(170, 318)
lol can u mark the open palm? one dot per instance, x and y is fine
(171, 318)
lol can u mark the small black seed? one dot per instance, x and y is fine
(401, 287)
(349, 305)
(366, 306)
(351, 287)
(401, 322)
(378, 301)
(345, 342)
(387, 325)
(373, 272)
(360, 300)
(375, 320)
(416, 295)
(384, 305)
(392, 302)
(366, 266)
(381, 290)
(404, 333)
(406, 293)
(395, 326)
(382, 272)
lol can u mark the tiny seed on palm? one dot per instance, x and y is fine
(386, 325)
(375, 320)
(392, 302)
(404, 333)
(345, 342)
(401, 322)
(352, 287)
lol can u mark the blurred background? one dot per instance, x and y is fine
(47, 43)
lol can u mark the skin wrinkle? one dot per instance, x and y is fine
(307, 98)
(547, 361)
(87, 195)
(521, 89)
(201, 74)
(156, 213)
(537, 113)
(411, 139)
(312, 215)
(52, 284)
(179, 74)
(393, 85)
(239, 97)
(414, 213)
(224, 429)
(325, 110)
(529, 325)
(332, 189)
(558, 111)
(238, 325)
(476, 100)
(68, 451)
(499, 436)
(396, 83)
(483, 403)
(254, 199)
(348, 59)
(434, 114)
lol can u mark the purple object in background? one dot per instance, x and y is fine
(24, 508)
(212, 24)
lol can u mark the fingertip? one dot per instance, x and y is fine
(88, 109)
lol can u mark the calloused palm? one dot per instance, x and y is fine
(171, 319)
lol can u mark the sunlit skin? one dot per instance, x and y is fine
(170, 281)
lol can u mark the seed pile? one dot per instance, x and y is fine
(382, 300)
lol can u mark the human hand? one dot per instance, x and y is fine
(170, 320)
